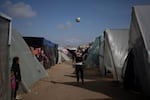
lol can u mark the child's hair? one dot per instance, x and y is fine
(15, 59)
(12, 71)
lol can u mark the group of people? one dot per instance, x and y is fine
(79, 56)
(15, 77)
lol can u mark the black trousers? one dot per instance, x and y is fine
(79, 73)
(16, 89)
(12, 94)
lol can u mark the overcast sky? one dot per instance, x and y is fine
(55, 19)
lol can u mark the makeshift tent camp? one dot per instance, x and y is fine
(137, 72)
(115, 50)
(31, 69)
(5, 33)
(49, 48)
(62, 56)
(92, 59)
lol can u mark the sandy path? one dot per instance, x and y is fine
(61, 85)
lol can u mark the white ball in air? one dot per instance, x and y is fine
(78, 19)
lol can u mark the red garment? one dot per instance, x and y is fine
(13, 82)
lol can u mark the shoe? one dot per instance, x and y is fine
(18, 97)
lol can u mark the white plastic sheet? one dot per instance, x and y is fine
(115, 50)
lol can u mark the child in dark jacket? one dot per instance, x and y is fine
(16, 68)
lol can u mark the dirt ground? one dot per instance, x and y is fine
(61, 85)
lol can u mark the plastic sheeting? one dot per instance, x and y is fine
(115, 50)
(139, 43)
(5, 22)
(48, 43)
(49, 48)
(92, 59)
(101, 55)
(62, 56)
(31, 69)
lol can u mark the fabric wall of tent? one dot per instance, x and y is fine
(31, 69)
(62, 56)
(5, 27)
(101, 56)
(137, 74)
(50, 49)
(92, 59)
(115, 50)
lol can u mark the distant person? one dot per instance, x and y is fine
(16, 69)
(13, 84)
(78, 55)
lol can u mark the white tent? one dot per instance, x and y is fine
(115, 50)
(31, 69)
(138, 64)
(62, 56)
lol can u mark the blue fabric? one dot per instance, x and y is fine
(48, 43)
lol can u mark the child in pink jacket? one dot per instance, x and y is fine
(13, 85)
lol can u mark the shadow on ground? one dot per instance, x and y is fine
(104, 86)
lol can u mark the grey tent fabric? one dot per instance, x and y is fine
(115, 50)
(141, 15)
(5, 27)
(101, 55)
(92, 59)
(31, 69)
(139, 43)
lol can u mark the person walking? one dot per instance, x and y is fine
(16, 69)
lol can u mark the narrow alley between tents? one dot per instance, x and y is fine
(61, 85)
